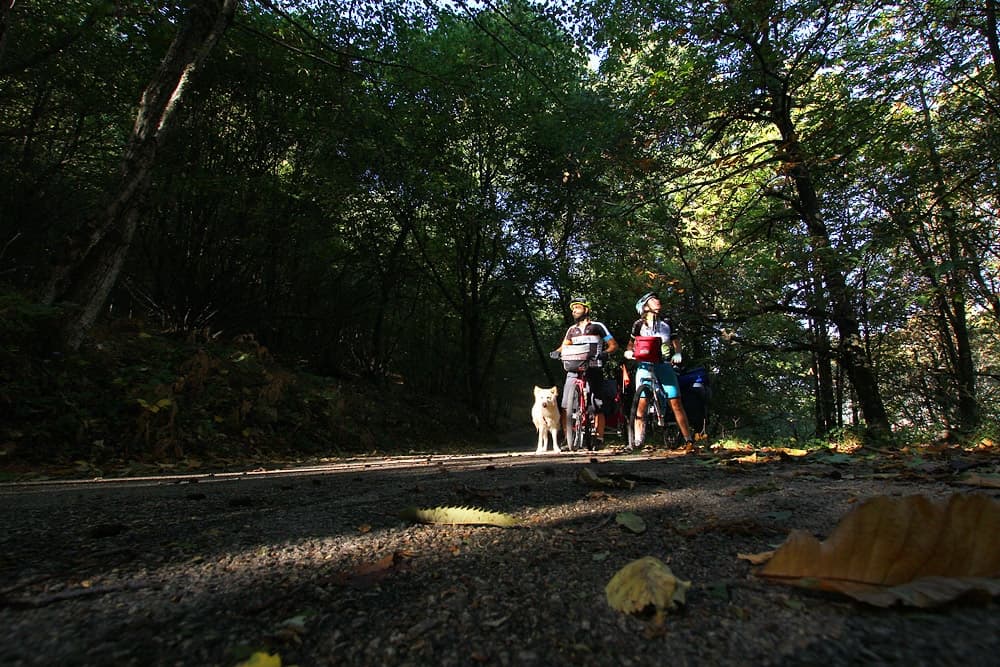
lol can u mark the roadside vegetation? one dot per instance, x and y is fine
(237, 228)
(138, 400)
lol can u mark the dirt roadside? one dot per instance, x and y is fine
(315, 564)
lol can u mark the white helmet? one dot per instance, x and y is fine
(640, 305)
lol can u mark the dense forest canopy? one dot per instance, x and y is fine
(411, 191)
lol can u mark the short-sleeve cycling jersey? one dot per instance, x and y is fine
(603, 392)
(663, 370)
(592, 329)
(658, 328)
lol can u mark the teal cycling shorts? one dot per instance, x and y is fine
(664, 373)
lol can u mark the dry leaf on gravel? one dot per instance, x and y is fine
(369, 574)
(261, 659)
(588, 477)
(643, 583)
(911, 550)
(458, 516)
(631, 522)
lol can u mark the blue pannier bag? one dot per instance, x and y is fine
(695, 395)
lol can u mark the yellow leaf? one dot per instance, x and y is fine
(261, 659)
(789, 451)
(911, 550)
(643, 583)
(588, 477)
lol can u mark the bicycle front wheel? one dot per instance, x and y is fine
(576, 425)
(641, 417)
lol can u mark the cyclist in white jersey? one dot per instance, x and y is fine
(651, 324)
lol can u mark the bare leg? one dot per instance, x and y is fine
(640, 422)
(682, 419)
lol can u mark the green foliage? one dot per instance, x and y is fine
(402, 192)
(139, 396)
(22, 320)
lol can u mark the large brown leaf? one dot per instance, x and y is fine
(911, 550)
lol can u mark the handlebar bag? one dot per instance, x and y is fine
(576, 355)
(647, 348)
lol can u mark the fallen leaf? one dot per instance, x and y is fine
(910, 550)
(381, 565)
(644, 583)
(371, 573)
(793, 603)
(295, 623)
(458, 516)
(631, 522)
(790, 451)
(587, 476)
(261, 659)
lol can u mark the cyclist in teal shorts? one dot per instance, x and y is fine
(651, 324)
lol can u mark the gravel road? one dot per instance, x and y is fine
(315, 565)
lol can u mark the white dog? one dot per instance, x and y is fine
(545, 415)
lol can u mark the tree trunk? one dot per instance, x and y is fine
(991, 37)
(822, 364)
(89, 267)
(852, 352)
(826, 415)
(951, 287)
(794, 161)
(541, 349)
(5, 7)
